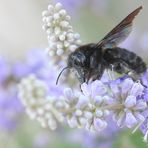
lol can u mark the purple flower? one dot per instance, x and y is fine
(10, 105)
(10, 109)
(37, 63)
(88, 111)
(126, 107)
(34, 62)
(112, 128)
(145, 96)
(90, 140)
(71, 5)
(145, 78)
(145, 82)
(94, 89)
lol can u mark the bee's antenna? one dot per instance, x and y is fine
(61, 73)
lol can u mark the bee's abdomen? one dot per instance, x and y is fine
(133, 61)
(137, 64)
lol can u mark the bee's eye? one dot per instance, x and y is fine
(77, 63)
(77, 59)
(81, 60)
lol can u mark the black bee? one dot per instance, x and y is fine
(91, 60)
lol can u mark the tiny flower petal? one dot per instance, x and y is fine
(141, 105)
(120, 119)
(126, 86)
(98, 100)
(115, 89)
(88, 115)
(72, 122)
(99, 113)
(99, 124)
(86, 89)
(68, 93)
(145, 139)
(58, 6)
(130, 101)
(83, 101)
(97, 88)
(130, 120)
(83, 121)
(137, 89)
(139, 116)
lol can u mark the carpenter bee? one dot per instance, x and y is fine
(91, 60)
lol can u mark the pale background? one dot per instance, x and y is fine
(20, 23)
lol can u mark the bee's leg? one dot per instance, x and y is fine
(133, 75)
(110, 74)
(120, 67)
(89, 76)
(80, 87)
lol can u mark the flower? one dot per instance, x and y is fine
(33, 93)
(127, 106)
(10, 106)
(61, 37)
(35, 62)
(144, 126)
(71, 5)
(10, 109)
(39, 64)
(145, 82)
(87, 107)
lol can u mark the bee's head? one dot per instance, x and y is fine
(78, 61)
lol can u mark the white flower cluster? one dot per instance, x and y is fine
(61, 36)
(87, 109)
(81, 110)
(127, 108)
(33, 94)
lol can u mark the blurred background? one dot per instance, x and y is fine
(22, 39)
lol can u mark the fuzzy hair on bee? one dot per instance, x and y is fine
(91, 60)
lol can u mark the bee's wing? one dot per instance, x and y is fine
(120, 32)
